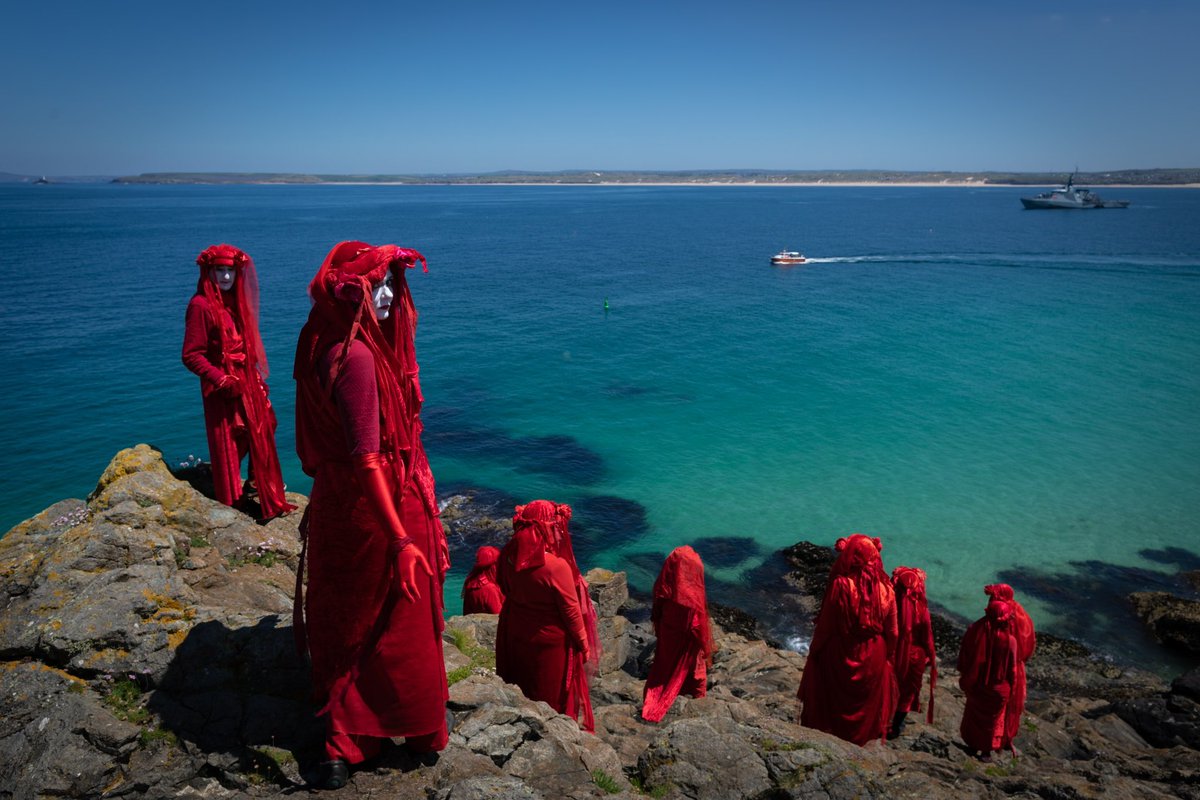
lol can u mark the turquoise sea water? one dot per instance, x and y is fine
(992, 391)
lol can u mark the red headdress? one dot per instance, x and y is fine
(858, 558)
(681, 580)
(1022, 625)
(342, 312)
(912, 579)
(241, 300)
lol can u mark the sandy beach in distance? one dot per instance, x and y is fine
(875, 184)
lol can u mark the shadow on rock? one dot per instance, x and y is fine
(230, 690)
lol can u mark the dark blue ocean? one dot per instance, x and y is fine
(996, 393)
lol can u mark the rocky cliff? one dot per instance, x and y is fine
(146, 651)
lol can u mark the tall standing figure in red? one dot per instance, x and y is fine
(684, 649)
(374, 603)
(1022, 629)
(849, 687)
(987, 671)
(546, 640)
(481, 591)
(221, 344)
(914, 651)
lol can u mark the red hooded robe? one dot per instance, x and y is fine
(1022, 629)
(987, 667)
(914, 644)
(684, 649)
(849, 687)
(221, 344)
(377, 664)
(546, 640)
(481, 593)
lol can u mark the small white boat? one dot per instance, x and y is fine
(788, 257)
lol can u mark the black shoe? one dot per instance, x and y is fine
(333, 774)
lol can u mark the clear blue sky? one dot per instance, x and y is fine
(128, 86)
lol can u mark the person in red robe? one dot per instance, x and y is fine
(372, 620)
(481, 593)
(684, 650)
(221, 344)
(914, 646)
(849, 687)
(1022, 629)
(546, 641)
(987, 671)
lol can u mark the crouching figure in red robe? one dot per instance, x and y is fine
(374, 603)
(684, 649)
(914, 646)
(849, 687)
(481, 593)
(987, 667)
(221, 344)
(546, 640)
(1022, 629)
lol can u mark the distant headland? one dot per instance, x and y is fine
(1130, 177)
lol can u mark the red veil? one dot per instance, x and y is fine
(377, 662)
(914, 644)
(341, 313)
(684, 648)
(540, 528)
(214, 350)
(849, 687)
(481, 593)
(987, 666)
(1022, 629)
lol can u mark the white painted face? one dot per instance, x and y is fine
(381, 297)
(223, 277)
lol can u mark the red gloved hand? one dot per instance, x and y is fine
(406, 557)
(230, 386)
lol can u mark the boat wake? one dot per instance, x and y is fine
(1182, 267)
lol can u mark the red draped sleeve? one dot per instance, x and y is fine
(197, 355)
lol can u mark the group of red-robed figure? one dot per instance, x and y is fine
(546, 640)
(873, 641)
(377, 556)
(374, 548)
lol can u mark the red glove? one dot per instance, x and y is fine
(230, 386)
(406, 557)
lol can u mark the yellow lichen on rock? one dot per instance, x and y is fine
(131, 460)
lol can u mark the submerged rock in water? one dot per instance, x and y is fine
(1175, 621)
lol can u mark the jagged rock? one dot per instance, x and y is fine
(489, 788)
(1174, 621)
(809, 567)
(737, 621)
(1188, 684)
(480, 628)
(149, 652)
